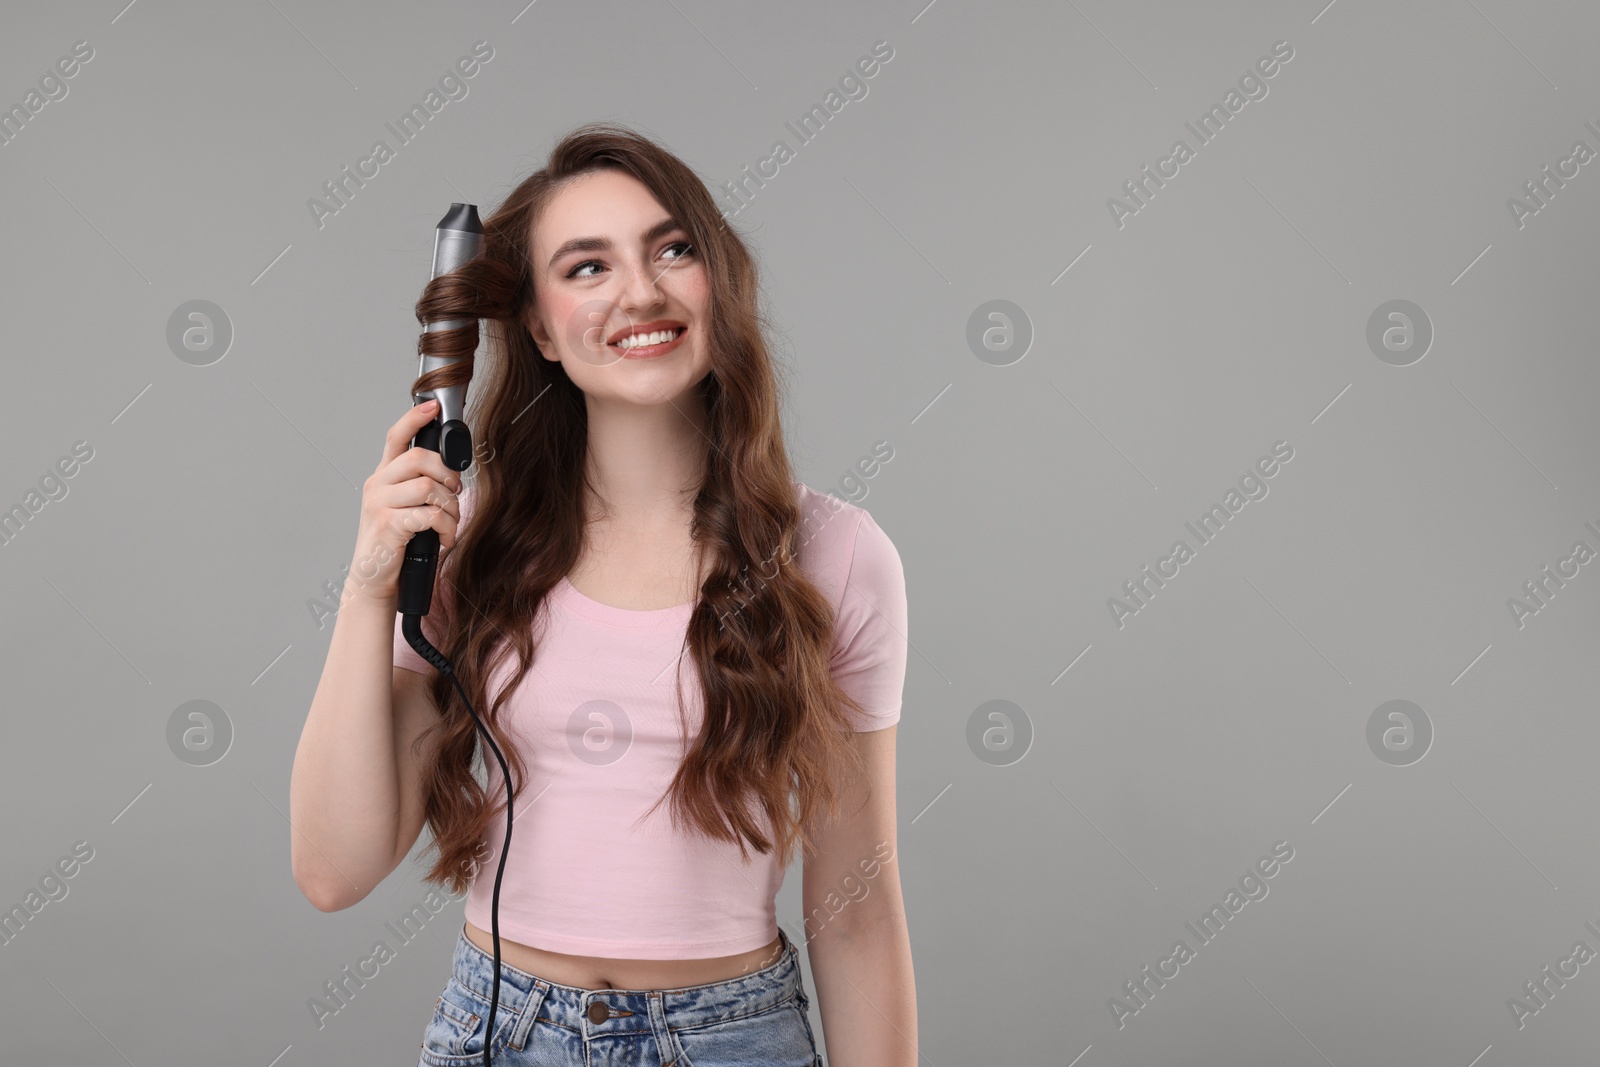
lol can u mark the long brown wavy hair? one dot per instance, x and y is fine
(773, 753)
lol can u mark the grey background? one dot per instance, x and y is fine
(1229, 314)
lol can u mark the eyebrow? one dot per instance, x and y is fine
(603, 244)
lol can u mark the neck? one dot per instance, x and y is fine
(646, 463)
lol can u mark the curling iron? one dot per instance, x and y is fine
(457, 239)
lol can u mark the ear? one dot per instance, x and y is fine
(541, 336)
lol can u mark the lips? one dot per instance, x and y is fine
(660, 348)
(647, 327)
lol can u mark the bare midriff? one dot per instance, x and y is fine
(602, 972)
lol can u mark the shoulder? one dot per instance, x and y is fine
(842, 546)
(852, 560)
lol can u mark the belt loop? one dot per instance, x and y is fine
(529, 1015)
(790, 947)
(666, 1044)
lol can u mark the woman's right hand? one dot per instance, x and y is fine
(412, 490)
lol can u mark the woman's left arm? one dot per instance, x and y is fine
(855, 922)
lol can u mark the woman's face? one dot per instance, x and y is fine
(609, 262)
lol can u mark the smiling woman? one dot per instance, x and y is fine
(682, 735)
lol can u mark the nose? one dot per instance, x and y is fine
(641, 289)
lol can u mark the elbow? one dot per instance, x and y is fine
(324, 902)
(327, 894)
(322, 897)
(329, 897)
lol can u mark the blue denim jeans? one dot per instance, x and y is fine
(755, 1019)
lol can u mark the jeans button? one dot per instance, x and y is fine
(598, 1012)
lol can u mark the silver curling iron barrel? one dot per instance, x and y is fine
(456, 240)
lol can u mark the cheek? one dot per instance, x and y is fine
(698, 290)
(577, 327)
(688, 286)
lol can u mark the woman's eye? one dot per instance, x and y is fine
(688, 250)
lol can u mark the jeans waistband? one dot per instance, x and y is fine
(629, 1009)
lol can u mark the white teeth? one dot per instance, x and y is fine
(639, 340)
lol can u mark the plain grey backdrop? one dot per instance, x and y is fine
(1378, 261)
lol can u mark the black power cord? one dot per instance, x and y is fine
(411, 627)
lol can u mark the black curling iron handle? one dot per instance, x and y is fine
(421, 562)
(417, 572)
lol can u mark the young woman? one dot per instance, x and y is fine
(691, 662)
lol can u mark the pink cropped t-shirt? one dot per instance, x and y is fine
(597, 722)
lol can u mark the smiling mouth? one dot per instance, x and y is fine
(638, 351)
